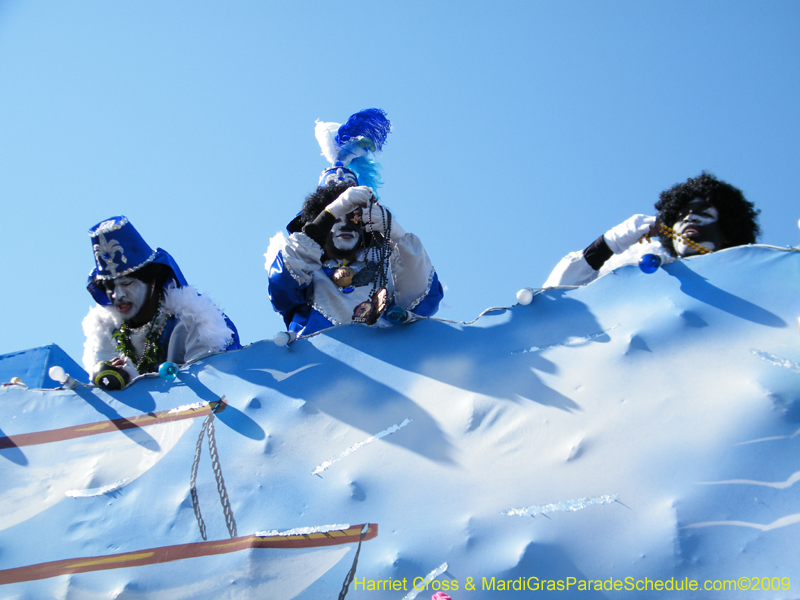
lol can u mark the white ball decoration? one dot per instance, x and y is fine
(57, 374)
(284, 338)
(524, 296)
(281, 338)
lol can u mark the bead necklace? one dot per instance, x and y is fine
(671, 233)
(380, 248)
(152, 352)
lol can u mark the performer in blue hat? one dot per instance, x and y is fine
(146, 313)
(347, 259)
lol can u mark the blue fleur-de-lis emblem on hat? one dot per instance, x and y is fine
(105, 250)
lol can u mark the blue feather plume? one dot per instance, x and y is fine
(368, 172)
(370, 123)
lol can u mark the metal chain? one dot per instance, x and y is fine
(223, 493)
(230, 521)
(348, 579)
(193, 479)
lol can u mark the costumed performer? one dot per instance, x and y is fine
(146, 313)
(347, 259)
(701, 215)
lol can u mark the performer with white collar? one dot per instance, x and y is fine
(347, 258)
(146, 313)
(701, 215)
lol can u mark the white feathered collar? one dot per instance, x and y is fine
(185, 303)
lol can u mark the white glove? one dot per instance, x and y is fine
(374, 220)
(624, 235)
(349, 200)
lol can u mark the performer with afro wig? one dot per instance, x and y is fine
(736, 216)
(700, 215)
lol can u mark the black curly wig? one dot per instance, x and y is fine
(737, 215)
(317, 200)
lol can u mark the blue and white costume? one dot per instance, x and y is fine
(191, 325)
(301, 288)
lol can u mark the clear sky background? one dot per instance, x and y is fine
(522, 131)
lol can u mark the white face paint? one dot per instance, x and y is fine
(128, 295)
(699, 221)
(344, 239)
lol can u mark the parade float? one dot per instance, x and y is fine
(643, 428)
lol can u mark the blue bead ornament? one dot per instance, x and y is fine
(168, 371)
(396, 315)
(649, 263)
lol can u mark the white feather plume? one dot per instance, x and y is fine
(326, 137)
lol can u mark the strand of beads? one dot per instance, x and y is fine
(677, 236)
(669, 232)
(152, 351)
(378, 253)
(380, 246)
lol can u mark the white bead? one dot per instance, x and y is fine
(57, 374)
(284, 338)
(524, 296)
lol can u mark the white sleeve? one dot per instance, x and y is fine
(183, 344)
(201, 326)
(188, 341)
(572, 270)
(412, 271)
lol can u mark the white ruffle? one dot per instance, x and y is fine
(302, 257)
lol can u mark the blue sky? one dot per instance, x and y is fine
(522, 131)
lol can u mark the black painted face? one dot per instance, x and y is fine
(698, 220)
